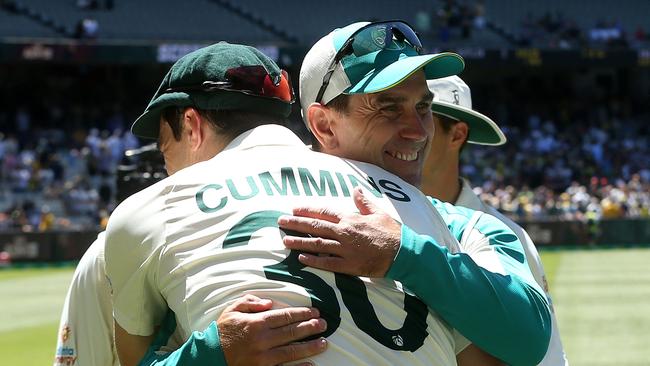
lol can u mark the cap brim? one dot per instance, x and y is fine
(148, 124)
(482, 129)
(435, 66)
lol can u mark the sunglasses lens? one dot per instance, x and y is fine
(279, 88)
(256, 80)
(384, 36)
(371, 38)
(409, 35)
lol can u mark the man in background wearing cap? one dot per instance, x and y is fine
(457, 123)
(197, 240)
(85, 335)
(357, 107)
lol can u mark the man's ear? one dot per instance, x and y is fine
(194, 128)
(459, 134)
(320, 124)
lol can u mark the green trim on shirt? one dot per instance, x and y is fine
(202, 348)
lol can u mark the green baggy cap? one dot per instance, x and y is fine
(204, 79)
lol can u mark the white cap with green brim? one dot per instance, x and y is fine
(452, 98)
(370, 73)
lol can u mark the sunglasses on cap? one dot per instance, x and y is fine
(394, 35)
(250, 80)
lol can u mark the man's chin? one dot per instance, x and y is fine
(411, 178)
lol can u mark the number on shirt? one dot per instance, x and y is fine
(409, 337)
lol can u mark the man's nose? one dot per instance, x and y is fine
(414, 125)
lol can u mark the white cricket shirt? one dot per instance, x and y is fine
(205, 236)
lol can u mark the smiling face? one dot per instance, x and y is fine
(391, 129)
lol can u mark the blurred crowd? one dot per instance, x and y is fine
(452, 20)
(574, 169)
(555, 30)
(460, 19)
(600, 199)
(54, 178)
(580, 154)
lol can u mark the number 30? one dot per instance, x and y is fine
(409, 337)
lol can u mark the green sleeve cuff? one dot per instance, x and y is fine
(202, 348)
(407, 255)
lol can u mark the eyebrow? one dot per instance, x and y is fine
(389, 98)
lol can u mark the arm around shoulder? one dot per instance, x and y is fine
(502, 313)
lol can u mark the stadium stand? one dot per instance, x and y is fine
(583, 153)
(16, 24)
(520, 19)
(129, 21)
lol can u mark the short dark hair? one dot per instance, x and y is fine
(339, 104)
(226, 122)
(446, 123)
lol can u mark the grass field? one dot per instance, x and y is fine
(601, 297)
(29, 310)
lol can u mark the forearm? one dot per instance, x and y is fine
(502, 314)
(202, 348)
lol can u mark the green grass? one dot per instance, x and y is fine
(31, 304)
(551, 261)
(602, 302)
(601, 297)
(29, 345)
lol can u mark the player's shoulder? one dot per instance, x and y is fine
(134, 204)
(505, 219)
(138, 215)
(91, 267)
(451, 210)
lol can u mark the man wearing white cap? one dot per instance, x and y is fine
(358, 107)
(456, 123)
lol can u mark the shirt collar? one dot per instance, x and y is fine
(265, 135)
(467, 197)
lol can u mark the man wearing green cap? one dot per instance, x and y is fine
(359, 108)
(198, 240)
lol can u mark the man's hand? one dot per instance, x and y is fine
(359, 244)
(253, 334)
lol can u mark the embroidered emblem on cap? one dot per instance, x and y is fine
(379, 37)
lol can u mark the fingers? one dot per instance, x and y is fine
(314, 227)
(365, 206)
(297, 331)
(313, 245)
(331, 264)
(250, 304)
(297, 351)
(282, 317)
(321, 213)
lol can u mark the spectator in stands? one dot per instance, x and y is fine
(88, 4)
(423, 22)
(87, 28)
(479, 15)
